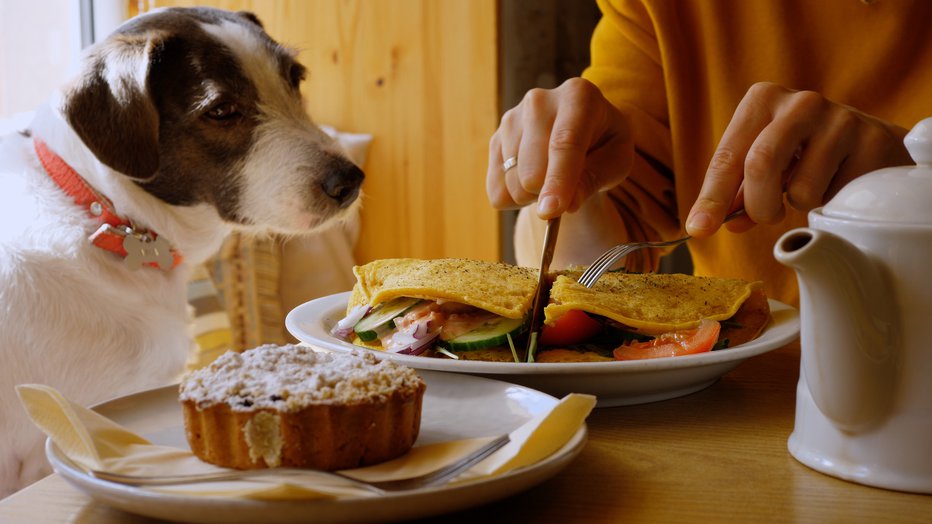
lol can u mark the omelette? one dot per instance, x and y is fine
(651, 308)
(477, 310)
(651, 303)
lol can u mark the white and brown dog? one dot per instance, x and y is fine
(183, 125)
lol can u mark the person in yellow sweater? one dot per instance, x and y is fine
(691, 109)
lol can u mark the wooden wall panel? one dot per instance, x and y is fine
(421, 76)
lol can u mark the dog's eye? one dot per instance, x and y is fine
(223, 112)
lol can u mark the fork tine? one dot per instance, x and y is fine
(598, 268)
(616, 256)
(590, 275)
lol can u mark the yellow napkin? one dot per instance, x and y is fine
(93, 441)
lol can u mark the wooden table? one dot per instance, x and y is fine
(715, 456)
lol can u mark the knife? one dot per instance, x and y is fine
(540, 298)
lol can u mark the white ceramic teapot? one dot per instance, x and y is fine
(864, 398)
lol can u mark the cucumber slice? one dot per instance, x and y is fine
(381, 318)
(491, 334)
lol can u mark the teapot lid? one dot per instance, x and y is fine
(894, 194)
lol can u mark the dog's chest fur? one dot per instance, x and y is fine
(135, 319)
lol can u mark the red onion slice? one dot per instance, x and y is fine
(414, 338)
(344, 328)
(421, 330)
(420, 345)
(414, 334)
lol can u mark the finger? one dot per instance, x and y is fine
(590, 149)
(826, 150)
(726, 167)
(872, 149)
(518, 194)
(606, 165)
(536, 124)
(513, 145)
(569, 142)
(502, 145)
(741, 223)
(770, 158)
(512, 132)
(495, 177)
(877, 145)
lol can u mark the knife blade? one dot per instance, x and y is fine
(537, 310)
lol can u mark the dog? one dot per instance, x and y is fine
(182, 126)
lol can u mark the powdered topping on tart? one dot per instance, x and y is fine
(289, 378)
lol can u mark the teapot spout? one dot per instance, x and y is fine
(848, 327)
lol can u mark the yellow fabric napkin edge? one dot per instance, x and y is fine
(541, 437)
(56, 415)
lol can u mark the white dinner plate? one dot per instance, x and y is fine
(614, 383)
(455, 407)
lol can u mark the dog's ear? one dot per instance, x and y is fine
(110, 108)
(248, 15)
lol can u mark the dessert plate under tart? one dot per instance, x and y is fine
(613, 383)
(455, 407)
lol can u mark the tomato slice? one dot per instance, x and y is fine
(672, 344)
(574, 327)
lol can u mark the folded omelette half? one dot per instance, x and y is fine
(656, 303)
(465, 309)
(499, 288)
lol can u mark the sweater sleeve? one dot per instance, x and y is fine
(626, 65)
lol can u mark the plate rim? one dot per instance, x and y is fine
(475, 491)
(744, 351)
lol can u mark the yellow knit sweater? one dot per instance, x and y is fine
(682, 66)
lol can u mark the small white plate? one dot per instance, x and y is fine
(455, 407)
(614, 383)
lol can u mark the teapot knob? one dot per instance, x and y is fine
(919, 142)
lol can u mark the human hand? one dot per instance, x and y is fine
(797, 142)
(570, 142)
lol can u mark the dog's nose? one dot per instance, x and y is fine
(342, 183)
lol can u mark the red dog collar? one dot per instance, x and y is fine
(115, 234)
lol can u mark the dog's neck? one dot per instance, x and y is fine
(196, 231)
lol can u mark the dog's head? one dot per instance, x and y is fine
(201, 106)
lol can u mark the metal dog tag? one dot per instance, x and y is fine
(147, 250)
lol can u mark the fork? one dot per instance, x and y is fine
(598, 267)
(433, 478)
